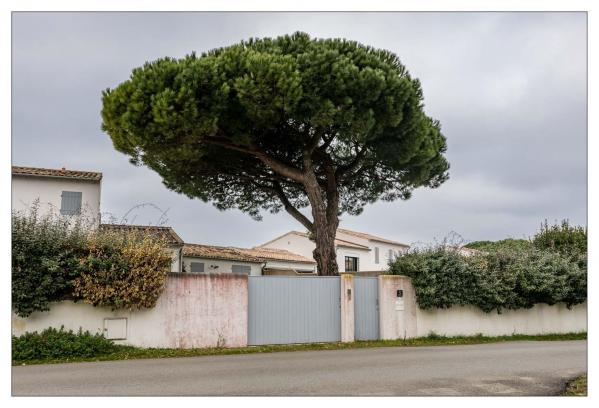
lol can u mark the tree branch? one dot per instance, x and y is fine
(343, 170)
(294, 212)
(279, 167)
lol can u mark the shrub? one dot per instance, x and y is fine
(504, 243)
(506, 278)
(562, 238)
(123, 271)
(55, 258)
(45, 259)
(60, 344)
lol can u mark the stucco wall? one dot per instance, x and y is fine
(408, 320)
(397, 314)
(195, 310)
(294, 243)
(26, 189)
(469, 320)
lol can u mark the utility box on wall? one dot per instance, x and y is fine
(115, 328)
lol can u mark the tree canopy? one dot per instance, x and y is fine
(283, 123)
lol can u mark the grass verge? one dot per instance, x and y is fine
(577, 387)
(130, 352)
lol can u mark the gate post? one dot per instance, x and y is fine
(397, 307)
(347, 307)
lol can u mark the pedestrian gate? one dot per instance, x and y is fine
(292, 309)
(366, 308)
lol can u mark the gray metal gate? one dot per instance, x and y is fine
(366, 308)
(290, 309)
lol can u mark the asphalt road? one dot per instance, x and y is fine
(514, 368)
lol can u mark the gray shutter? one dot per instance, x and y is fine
(196, 267)
(376, 254)
(70, 203)
(241, 269)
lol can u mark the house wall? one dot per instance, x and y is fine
(294, 243)
(220, 266)
(291, 266)
(26, 189)
(195, 310)
(303, 246)
(361, 254)
(176, 257)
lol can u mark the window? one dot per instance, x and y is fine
(390, 255)
(351, 264)
(241, 269)
(196, 267)
(376, 255)
(70, 203)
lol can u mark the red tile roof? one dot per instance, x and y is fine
(61, 173)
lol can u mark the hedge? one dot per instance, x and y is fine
(57, 258)
(492, 280)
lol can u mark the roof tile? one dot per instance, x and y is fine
(61, 173)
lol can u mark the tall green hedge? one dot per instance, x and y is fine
(492, 280)
(57, 258)
(45, 259)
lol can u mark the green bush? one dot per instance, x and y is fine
(506, 278)
(504, 243)
(60, 344)
(562, 238)
(45, 259)
(58, 258)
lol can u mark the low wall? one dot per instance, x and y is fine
(207, 310)
(195, 310)
(469, 320)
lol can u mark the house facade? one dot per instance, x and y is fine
(59, 191)
(356, 251)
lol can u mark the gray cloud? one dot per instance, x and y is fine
(508, 88)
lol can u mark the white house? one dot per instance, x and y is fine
(64, 192)
(251, 261)
(356, 251)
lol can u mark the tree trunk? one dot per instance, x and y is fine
(324, 227)
(325, 255)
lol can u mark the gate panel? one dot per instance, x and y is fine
(290, 309)
(366, 308)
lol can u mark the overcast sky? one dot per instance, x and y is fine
(508, 88)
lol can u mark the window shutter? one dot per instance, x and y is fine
(70, 203)
(241, 269)
(390, 255)
(376, 254)
(196, 267)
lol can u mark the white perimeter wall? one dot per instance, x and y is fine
(469, 320)
(195, 310)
